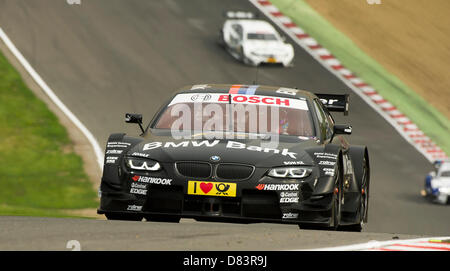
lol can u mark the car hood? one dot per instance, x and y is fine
(441, 182)
(256, 152)
(265, 47)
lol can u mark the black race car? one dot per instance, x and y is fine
(241, 153)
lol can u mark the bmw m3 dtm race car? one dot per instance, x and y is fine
(254, 41)
(247, 153)
(437, 183)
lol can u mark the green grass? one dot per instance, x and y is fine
(39, 172)
(428, 119)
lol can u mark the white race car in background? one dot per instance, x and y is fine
(437, 183)
(254, 41)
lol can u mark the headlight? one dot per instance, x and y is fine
(290, 172)
(142, 164)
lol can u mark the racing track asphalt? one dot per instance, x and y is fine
(104, 58)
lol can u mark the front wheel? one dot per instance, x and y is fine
(337, 200)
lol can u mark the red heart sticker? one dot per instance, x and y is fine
(135, 178)
(206, 187)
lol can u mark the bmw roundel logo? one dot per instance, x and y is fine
(215, 158)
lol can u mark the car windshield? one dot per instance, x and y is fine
(261, 36)
(445, 174)
(254, 114)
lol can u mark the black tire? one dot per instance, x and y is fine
(337, 198)
(351, 228)
(360, 160)
(126, 217)
(221, 40)
(336, 207)
(163, 218)
(243, 58)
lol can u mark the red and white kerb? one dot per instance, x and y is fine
(403, 124)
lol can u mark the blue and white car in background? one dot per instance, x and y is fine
(437, 183)
(254, 41)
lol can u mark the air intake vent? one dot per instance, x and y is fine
(194, 169)
(234, 171)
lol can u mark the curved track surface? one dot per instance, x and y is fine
(107, 57)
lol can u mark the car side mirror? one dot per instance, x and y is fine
(134, 118)
(340, 129)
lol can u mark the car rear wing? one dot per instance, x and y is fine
(239, 15)
(335, 102)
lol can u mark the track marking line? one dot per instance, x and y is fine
(47, 90)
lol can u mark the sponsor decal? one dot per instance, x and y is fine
(114, 151)
(201, 97)
(183, 144)
(288, 194)
(293, 163)
(238, 145)
(111, 159)
(254, 99)
(290, 215)
(327, 163)
(138, 191)
(139, 185)
(134, 208)
(289, 200)
(240, 97)
(151, 180)
(289, 197)
(329, 101)
(243, 89)
(140, 154)
(209, 144)
(326, 155)
(217, 189)
(118, 145)
(277, 187)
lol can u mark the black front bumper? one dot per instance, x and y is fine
(251, 205)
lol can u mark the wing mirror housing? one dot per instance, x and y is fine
(134, 118)
(341, 129)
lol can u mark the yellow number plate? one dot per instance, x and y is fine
(212, 189)
(271, 60)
